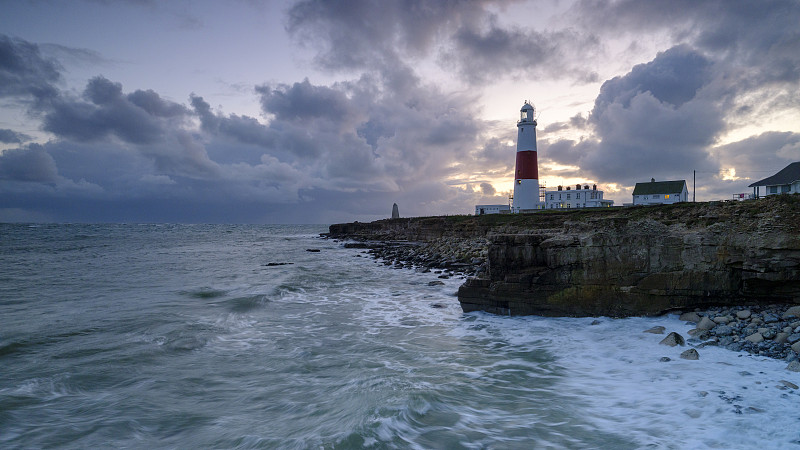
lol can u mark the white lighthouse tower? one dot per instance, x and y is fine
(526, 173)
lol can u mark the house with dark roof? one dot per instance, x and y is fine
(660, 192)
(787, 181)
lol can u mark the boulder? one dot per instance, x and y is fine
(673, 339)
(690, 317)
(743, 314)
(690, 354)
(656, 330)
(780, 338)
(794, 311)
(796, 347)
(706, 324)
(755, 338)
(794, 366)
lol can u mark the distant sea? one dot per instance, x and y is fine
(226, 336)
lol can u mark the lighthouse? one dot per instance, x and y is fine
(526, 172)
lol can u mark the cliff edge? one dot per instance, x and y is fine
(622, 261)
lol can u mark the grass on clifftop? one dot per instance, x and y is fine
(781, 211)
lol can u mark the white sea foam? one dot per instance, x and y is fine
(614, 372)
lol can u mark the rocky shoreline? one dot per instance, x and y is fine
(771, 331)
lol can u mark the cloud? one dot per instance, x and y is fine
(488, 189)
(138, 118)
(24, 72)
(31, 164)
(655, 121)
(465, 37)
(12, 137)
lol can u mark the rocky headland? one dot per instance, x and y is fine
(713, 259)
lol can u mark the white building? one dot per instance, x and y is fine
(580, 197)
(492, 209)
(787, 181)
(660, 192)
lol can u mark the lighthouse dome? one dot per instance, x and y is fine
(526, 113)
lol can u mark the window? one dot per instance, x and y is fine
(666, 196)
(785, 188)
(568, 195)
(773, 189)
(551, 196)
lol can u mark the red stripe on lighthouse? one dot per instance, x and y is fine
(527, 167)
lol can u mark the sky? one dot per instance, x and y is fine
(311, 111)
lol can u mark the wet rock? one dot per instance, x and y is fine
(665, 359)
(789, 384)
(793, 366)
(706, 324)
(793, 338)
(723, 319)
(596, 322)
(781, 338)
(313, 250)
(755, 338)
(436, 283)
(673, 339)
(743, 314)
(794, 311)
(769, 333)
(796, 347)
(690, 317)
(690, 354)
(656, 330)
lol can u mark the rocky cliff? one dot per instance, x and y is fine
(621, 262)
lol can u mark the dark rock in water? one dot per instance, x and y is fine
(665, 359)
(444, 276)
(690, 317)
(437, 305)
(673, 339)
(313, 250)
(794, 366)
(690, 354)
(656, 330)
(595, 322)
(273, 264)
(436, 283)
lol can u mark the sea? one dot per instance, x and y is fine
(268, 336)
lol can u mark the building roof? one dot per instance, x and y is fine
(659, 187)
(787, 175)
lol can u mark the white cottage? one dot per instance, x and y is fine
(787, 181)
(660, 192)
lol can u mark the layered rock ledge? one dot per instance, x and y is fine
(620, 262)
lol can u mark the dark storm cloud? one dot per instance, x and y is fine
(358, 34)
(139, 118)
(305, 102)
(28, 164)
(12, 137)
(654, 121)
(482, 52)
(24, 72)
(469, 40)
(760, 39)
